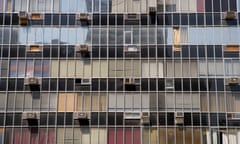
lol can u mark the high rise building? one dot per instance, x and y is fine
(119, 72)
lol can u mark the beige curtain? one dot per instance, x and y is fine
(54, 68)
(162, 136)
(98, 102)
(98, 136)
(66, 102)
(83, 102)
(204, 101)
(99, 68)
(131, 6)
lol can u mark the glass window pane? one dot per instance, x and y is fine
(66, 101)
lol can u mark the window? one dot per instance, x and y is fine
(88, 102)
(212, 68)
(66, 102)
(124, 68)
(82, 135)
(100, 68)
(130, 6)
(29, 68)
(181, 68)
(1, 5)
(124, 135)
(180, 5)
(153, 69)
(238, 5)
(32, 102)
(150, 135)
(180, 35)
(28, 135)
(128, 37)
(36, 6)
(1, 135)
(129, 102)
(2, 102)
(182, 101)
(4, 68)
(36, 35)
(232, 67)
(230, 136)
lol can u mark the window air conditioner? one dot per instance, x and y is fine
(145, 118)
(30, 115)
(82, 48)
(81, 115)
(36, 16)
(34, 48)
(232, 81)
(131, 16)
(152, 10)
(86, 81)
(83, 17)
(179, 118)
(229, 15)
(31, 81)
(131, 49)
(233, 116)
(23, 17)
(132, 81)
(132, 115)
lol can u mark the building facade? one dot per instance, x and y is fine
(119, 72)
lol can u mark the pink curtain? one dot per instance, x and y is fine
(132, 136)
(124, 136)
(115, 134)
(32, 136)
(200, 5)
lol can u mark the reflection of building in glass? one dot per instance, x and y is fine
(119, 72)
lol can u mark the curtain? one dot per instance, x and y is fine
(99, 68)
(98, 102)
(83, 102)
(98, 136)
(31, 136)
(162, 136)
(66, 101)
(54, 68)
(152, 69)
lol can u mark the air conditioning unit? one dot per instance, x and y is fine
(132, 81)
(34, 48)
(232, 81)
(233, 116)
(81, 116)
(179, 118)
(131, 16)
(86, 81)
(30, 115)
(229, 15)
(36, 16)
(31, 81)
(83, 17)
(177, 48)
(23, 17)
(145, 118)
(131, 49)
(152, 10)
(82, 48)
(132, 115)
